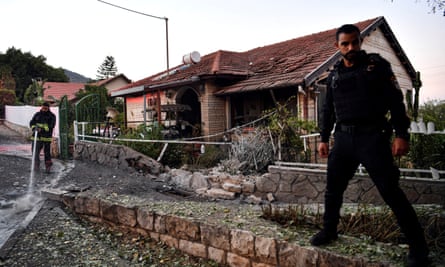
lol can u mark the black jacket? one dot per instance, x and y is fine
(362, 95)
(46, 122)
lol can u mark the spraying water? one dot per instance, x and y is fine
(33, 161)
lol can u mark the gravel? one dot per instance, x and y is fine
(48, 234)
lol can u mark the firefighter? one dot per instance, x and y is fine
(43, 123)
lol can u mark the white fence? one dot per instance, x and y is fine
(21, 115)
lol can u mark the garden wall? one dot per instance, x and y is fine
(302, 185)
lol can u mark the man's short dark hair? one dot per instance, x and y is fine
(45, 104)
(347, 28)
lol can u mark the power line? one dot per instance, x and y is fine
(134, 11)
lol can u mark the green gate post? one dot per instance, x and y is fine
(63, 127)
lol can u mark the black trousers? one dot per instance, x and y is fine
(46, 150)
(373, 150)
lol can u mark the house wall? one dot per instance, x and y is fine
(22, 115)
(377, 43)
(135, 108)
(115, 84)
(213, 113)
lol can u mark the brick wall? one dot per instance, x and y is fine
(213, 114)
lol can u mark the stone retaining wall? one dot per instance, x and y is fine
(283, 184)
(118, 156)
(232, 247)
(229, 246)
(300, 185)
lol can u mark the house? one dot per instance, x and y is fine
(54, 91)
(225, 89)
(113, 83)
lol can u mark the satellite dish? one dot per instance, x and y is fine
(191, 58)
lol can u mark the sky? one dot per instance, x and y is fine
(79, 34)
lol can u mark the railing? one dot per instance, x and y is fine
(310, 141)
(88, 133)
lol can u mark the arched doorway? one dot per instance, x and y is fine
(189, 119)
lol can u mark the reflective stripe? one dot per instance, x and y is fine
(43, 139)
(43, 126)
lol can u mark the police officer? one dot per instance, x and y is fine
(361, 90)
(43, 122)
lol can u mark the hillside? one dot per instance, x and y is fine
(76, 77)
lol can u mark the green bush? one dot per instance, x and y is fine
(211, 157)
(144, 133)
(427, 151)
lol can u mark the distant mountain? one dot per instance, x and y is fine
(76, 77)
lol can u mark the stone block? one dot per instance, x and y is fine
(234, 260)
(118, 214)
(217, 255)
(159, 223)
(260, 264)
(145, 219)
(169, 240)
(68, 200)
(232, 187)
(87, 205)
(291, 255)
(220, 193)
(193, 248)
(199, 180)
(304, 189)
(242, 243)
(155, 236)
(266, 250)
(182, 228)
(267, 182)
(248, 187)
(327, 259)
(215, 236)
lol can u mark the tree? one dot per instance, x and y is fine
(105, 99)
(108, 69)
(6, 79)
(437, 6)
(34, 93)
(7, 97)
(25, 67)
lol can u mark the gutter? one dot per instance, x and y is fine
(172, 83)
(142, 88)
(313, 75)
(132, 90)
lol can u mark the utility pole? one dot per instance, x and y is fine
(167, 52)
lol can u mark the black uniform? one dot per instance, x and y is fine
(43, 122)
(357, 102)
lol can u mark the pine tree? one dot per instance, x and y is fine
(108, 69)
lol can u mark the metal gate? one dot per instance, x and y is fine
(88, 109)
(64, 127)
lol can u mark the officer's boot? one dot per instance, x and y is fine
(418, 253)
(324, 237)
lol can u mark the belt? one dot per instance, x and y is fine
(358, 129)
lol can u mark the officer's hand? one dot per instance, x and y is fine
(400, 147)
(323, 150)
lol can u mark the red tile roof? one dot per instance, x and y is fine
(56, 90)
(283, 64)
